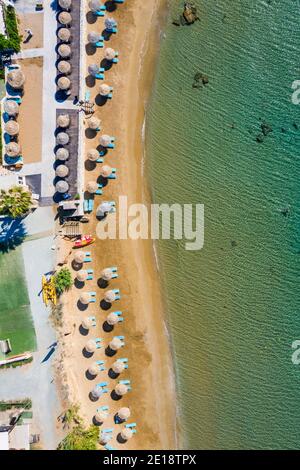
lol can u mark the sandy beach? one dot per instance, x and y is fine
(152, 399)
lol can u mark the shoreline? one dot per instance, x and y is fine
(147, 346)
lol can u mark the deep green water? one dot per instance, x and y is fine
(234, 307)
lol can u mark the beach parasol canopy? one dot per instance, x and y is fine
(64, 34)
(105, 140)
(64, 18)
(61, 186)
(109, 53)
(62, 138)
(79, 257)
(109, 296)
(121, 389)
(16, 78)
(64, 51)
(103, 209)
(126, 434)
(13, 149)
(104, 438)
(105, 171)
(110, 23)
(106, 274)
(104, 89)
(11, 107)
(124, 413)
(95, 5)
(100, 416)
(63, 120)
(91, 346)
(64, 83)
(94, 369)
(118, 367)
(12, 128)
(93, 155)
(97, 392)
(62, 154)
(94, 123)
(62, 171)
(64, 67)
(66, 4)
(93, 69)
(92, 187)
(115, 344)
(112, 319)
(82, 275)
(84, 298)
(93, 37)
(86, 323)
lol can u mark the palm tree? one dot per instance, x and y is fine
(15, 202)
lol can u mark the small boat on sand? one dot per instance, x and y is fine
(84, 241)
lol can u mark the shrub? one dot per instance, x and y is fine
(13, 40)
(63, 280)
(80, 439)
(15, 202)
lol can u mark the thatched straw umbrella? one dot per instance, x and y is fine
(11, 107)
(93, 69)
(64, 83)
(90, 346)
(12, 149)
(94, 123)
(118, 367)
(109, 53)
(63, 120)
(61, 186)
(109, 296)
(64, 51)
(104, 438)
(94, 369)
(93, 37)
(101, 416)
(64, 67)
(121, 389)
(95, 5)
(103, 209)
(85, 298)
(105, 140)
(12, 128)
(105, 171)
(106, 274)
(16, 78)
(82, 275)
(86, 323)
(62, 154)
(115, 344)
(96, 392)
(110, 23)
(79, 257)
(126, 434)
(92, 187)
(93, 155)
(62, 171)
(62, 138)
(64, 34)
(124, 413)
(104, 89)
(112, 319)
(66, 4)
(65, 18)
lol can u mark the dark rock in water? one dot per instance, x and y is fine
(295, 126)
(190, 13)
(233, 243)
(266, 128)
(176, 22)
(283, 130)
(200, 79)
(285, 211)
(260, 138)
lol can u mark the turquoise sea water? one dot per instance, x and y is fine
(233, 307)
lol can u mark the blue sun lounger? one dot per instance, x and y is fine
(90, 274)
(113, 174)
(117, 292)
(103, 408)
(108, 447)
(99, 76)
(123, 359)
(118, 1)
(112, 30)
(108, 431)
(93, 321)
(100, 44)
(121, 337)
(102, 384)
(124, 382)
(87, 96)
(87, 258)
(130, 426)
(100, 13)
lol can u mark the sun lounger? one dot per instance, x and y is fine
(99, 76)
(108, 447)
(121, 337)
(93, 319)
(130, 425)
(109, 96)
(87, 258)
(99, 13)
(99, 362)
(102, 384)
(92, 294)
(91, 204)
(119, 1)
(103, 408)
(118, 313)
(99, 44)
(87, 96)
(124, 382)
(123, 359)
(107, 431)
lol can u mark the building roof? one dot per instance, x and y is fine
(19, 437)
(4, 440)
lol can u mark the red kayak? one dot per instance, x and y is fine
(84, 241)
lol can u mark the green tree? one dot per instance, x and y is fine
(13, 40)
(63, 280)
(15, 202)
(80, 439)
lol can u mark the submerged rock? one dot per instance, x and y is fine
(200, 79)
(266, 128)
(189, 15)
(260, 138)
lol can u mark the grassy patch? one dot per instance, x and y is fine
(13, 40)
(15, 315)
(9, 405)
